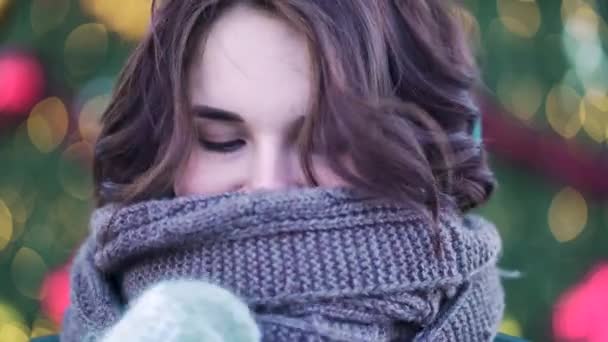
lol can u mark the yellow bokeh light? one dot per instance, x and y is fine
(130, 18)
(47, 124)
(6, 225)
(562, 108)
(43, 327)
(594, 115)
(583, 25)
(89, 121)
(510, 326)
(9, 314)
(522, 18)
(74, 171)
(86, 48)
(40, 331)
(567, 215)
(21, 209)
(13, 333)
(468, 22)
(569, 7)
(47, 15)
(3, 6)
(522, 96)
(12, 324)
(28, 270)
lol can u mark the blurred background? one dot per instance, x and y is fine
(545, 123)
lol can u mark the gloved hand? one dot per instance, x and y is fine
(186, 311)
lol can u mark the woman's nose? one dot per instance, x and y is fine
(274, 169)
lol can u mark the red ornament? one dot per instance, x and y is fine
(581, 313)
(21, 83)
(55, 294)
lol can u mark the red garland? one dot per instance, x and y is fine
(544, 152)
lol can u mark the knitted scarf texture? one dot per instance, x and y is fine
(313, 264)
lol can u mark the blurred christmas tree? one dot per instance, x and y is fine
(58, 59)
(546, 125)
(546, 69)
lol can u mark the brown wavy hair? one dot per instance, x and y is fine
(393, 90)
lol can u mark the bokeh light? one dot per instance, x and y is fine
(6, 225)
(98, 86)
(469, 23)
(4, 6)
(582, 23)
(86, 48)
(27, 271)
(130, 18)
(21, 81)
(21, 209)
(582, 41)
(10, 314)
(47, 125)
(549, 74)
(89, 121)
(55, 293)
(570, 7)
(510, 326)
(522, 96)
(580, 314)
(12, 324)
(43, 326)
(562, 108)
(75, 170)
(20, 212)
(594, 115)
(522, 18)
(567, 215)
(47, 15)
(13, 333)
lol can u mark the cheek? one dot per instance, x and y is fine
(208, 173)
(204, 175)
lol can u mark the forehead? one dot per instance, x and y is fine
(252, 63)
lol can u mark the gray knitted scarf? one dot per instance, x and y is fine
(313, 265)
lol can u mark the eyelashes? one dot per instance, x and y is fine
(222, 147)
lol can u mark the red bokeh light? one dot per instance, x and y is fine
(21, 81)
(55, 294)
(581, 314)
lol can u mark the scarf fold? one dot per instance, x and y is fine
(312, 264)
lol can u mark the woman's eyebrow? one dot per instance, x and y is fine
(212, 113)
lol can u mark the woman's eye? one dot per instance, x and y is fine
(222, 147)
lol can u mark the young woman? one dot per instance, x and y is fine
(315, 158)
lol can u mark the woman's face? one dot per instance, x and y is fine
(251, 86)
